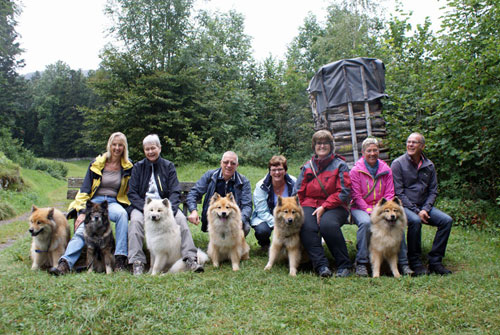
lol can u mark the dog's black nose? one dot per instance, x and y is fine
(223, 214)
(31, 230)
(289, 220)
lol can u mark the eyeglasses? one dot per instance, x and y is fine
(413, 142)
(277, 170)
(322, 143)
(229, 163)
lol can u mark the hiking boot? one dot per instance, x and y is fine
(361, 270)
(138, 268)
(419, 270)
(193, 265)
(324, 272)
(120, 263)
(61, 269)
(342, 273)
(439, 269)
(406, 270)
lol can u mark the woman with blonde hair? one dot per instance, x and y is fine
(106, 180)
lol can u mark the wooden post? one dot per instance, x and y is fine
(367, 107)
(353, 133)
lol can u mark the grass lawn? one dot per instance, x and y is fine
(254, 301)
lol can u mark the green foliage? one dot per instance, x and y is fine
(10, 179)
(25, 158)
(475, 214)
(256, 151)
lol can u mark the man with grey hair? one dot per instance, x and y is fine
(222, 180)
(155, 177)
(415, 183)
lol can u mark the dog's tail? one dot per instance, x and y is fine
(180, 266)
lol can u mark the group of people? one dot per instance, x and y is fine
(327, 191)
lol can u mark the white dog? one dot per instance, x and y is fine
(163, 238)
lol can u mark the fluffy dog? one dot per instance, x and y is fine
(99, 238)
(163, 238)
(50, 231)
(388, 222)
(288, 219)
(227, 240)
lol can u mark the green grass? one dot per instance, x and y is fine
(254, 301)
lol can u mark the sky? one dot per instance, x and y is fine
(74, 31)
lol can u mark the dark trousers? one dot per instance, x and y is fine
(328, 229)
(438, 219)
(263, 233)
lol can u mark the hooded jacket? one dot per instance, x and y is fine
(165, 178)
(362, 182)
(263, 199)
(335, 179)
(91, 184)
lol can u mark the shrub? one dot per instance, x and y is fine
(256, 151)
(478, 214)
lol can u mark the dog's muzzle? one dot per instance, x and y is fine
(35, 233)
(289, 221)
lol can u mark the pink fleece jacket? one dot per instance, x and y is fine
(362, 182)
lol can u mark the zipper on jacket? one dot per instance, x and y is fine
(159, 182)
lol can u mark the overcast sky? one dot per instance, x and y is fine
(74, 30)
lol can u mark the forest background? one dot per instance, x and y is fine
(190, 77)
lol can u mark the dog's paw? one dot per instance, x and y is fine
(268, 267)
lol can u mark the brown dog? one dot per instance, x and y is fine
(99, 238)
(388, 224)
(288, 219)
(227, 240)
(50, 231)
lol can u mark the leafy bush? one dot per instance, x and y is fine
(14, 151)
(479, 214)
(9, 174)
(256, 151)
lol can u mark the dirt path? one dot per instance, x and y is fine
(23, 217)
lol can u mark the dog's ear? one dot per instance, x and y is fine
(104, 204)
(214, 197)
(166, 202)
(148, 200)
(230, 197)
(297, 199)
(33, 208)
(280, 201)
(89, 205)
(382, 201)
(398, 201)
(50, 215)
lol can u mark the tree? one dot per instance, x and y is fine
(11, 86)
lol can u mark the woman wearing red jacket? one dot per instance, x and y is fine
(324, 190)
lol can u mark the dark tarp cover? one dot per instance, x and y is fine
(342, 81)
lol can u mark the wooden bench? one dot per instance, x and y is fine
(74, 185)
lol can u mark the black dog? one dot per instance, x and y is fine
(99, 238)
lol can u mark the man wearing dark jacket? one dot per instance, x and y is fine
(415, 183)
(156, 178)
(223, 180)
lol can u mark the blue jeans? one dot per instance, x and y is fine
(329, 228)
(362, 220)
(439, 219)
(117, 214)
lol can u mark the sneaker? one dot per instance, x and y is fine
(193, 265)
(419, 270)
(324, 272)
(120, 263)
(61, 269)
(342, 273)
(439, 269)
(138, 268)
(406, 270)
(361, 270)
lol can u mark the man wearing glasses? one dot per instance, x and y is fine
(223, 181)
(415, 183)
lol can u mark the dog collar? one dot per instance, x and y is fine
(40, 251)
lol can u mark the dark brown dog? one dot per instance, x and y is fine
(99, 238)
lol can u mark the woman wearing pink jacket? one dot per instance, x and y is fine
(371, 180)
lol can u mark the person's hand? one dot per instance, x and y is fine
(318, 212)
(193, 217)
(78, 221)
(424, 216)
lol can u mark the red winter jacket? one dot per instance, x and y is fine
(334, 175)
